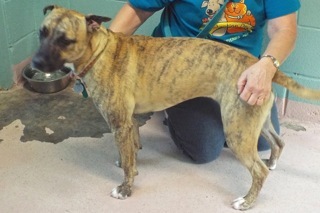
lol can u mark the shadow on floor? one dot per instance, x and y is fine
(53, 117)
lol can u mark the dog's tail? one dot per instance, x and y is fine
(299, 90)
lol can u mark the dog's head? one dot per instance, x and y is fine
(64, 35)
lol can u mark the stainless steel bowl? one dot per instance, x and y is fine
(47, 82)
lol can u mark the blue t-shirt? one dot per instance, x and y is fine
(241, 25)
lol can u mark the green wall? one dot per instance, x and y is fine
(110, 8)
(20, 21)
(5, 74)
(304, 63)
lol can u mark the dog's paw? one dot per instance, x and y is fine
(240, 204)
(270, 164)
(121, 192)
(118, 163)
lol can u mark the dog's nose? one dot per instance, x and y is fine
(37, 63)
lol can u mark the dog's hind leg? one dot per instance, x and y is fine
(137, 143)
(246, 152)
(276, 143)
(242, 128)
(259, 173)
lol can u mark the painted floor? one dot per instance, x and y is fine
(57, 155)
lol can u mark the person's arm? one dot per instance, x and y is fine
(129, 19)
(255, 84)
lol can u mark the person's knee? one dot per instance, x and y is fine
(196, 128)
(263, 144)
(201, 149)
(205, 157)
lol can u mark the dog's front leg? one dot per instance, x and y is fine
(136, 143)
(125, 136)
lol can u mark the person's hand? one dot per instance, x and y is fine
(255, 83)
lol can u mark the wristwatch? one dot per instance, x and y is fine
(275, 62)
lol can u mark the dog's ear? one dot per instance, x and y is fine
(94, 22)
(49, 7)
(97, 19)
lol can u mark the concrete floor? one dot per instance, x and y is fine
(56, 155)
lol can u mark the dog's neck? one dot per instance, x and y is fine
(88, 67)
(84, 64)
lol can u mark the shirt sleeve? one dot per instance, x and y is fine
(150, 5)
(278, 8)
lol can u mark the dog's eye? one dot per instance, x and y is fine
(43, 32)
(64, 42)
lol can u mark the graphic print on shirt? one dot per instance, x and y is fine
(237, 18)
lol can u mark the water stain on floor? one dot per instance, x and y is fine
(293, 126)
(52, 117)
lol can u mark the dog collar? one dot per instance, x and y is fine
(80, 85)
(89, 66)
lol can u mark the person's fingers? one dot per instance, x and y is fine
(252, 98)
(241, 83)
(245, 95)
(260, 101)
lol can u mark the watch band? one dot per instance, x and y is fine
(275, 62)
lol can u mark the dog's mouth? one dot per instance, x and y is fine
(46, 65)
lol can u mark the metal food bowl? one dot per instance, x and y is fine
(43, 82)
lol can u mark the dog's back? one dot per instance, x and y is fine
(185, 67)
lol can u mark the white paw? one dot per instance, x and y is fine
(269, 164)
(116, 194)
(118, 163)
(237, 203)
(273, 167)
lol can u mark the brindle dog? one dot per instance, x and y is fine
(127, 75)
